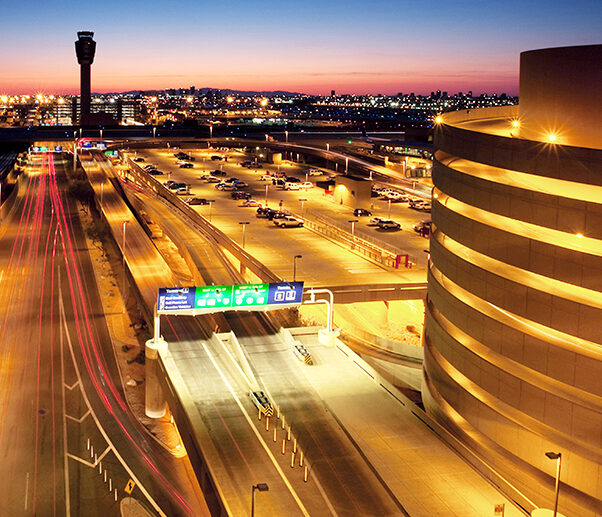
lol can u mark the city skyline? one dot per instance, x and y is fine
(385, 47)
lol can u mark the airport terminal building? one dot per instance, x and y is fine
(513, 332)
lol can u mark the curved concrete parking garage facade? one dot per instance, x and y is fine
(513, 337)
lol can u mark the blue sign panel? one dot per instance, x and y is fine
(87, 145)
(101, 145)
(36, 149)
(285, 293)
(58, 148)
(175, 298)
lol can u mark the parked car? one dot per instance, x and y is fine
(360, 212)
(426, 206)
(169, 183)
(212, 179)
(288, 221)
(240, 184)
(196, 201)
(278, 182)
(314, 172)
(231, 180)
(149, 166)
(397, 197)
(307, 184)
(288, 185)
(375, 220)
(419, 227)
(225, 186)
(139, 159)
(176, 185)
(155, 172)
(388, 224)
(186, 165)
(266, 177)
(246, 163)
(416, 203)
(215, 157)
(218, 172)
(262, 212)
(239, 194)
(250, 202)
(183, 191)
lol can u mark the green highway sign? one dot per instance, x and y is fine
(213, 297)
(220, 298)
(249, 295)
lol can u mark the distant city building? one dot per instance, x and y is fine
(513, 330)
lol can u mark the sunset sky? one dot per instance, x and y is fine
(311, 46)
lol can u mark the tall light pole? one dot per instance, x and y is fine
(286, 136)
(558, 457)
(262, 487)
(244, 225)
(346, 165)
(389, 210)
(210, 131)
(328, 147)
(303, 200)
(295, 266)
(211, 201)
(123, 254)
(266, 195)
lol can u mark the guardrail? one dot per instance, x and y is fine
(374, 249)
(208, 230)
(378, 292)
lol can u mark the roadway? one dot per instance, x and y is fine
(68, 442)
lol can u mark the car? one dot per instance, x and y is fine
(186, 165)
(266, 177)
(168, 183)
(225, 186)
(218, 172)
(215, 157)
(256, 166)
(426, 206)
(307, 184)
(388, 224)
(416, 203)
(212, 179)
(139, 159)
(262, 212)
(359, 212)
(183, 191)
(288, 221)
(231, 180)
(239, 184)
(278, 182)
(155, 172)
(250, 202)
(239, 194)
(179, 154)
(246, 163)
(375, 220)
(147, 167)
(176, 185)
(288, 185)
(396, 197)
(419, 227)
(196, 201)
(314, 172)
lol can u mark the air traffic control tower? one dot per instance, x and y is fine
(85, 47)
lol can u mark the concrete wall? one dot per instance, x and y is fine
(352, 191)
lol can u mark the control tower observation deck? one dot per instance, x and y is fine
(85, 47)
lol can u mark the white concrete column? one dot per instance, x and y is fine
(155, 404)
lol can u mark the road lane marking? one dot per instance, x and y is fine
(97, 422)
(26, 489)
(78, 420)
(259, 437)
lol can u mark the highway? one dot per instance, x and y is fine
(68, 441)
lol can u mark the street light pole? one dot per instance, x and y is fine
(346, 165)
(210, 207)
(262, 487)
(295, 266)
(244, 225)
(558, 457)
(123, 254)
(266, 195)
(389, 210)
(286, 136)
(303, 200)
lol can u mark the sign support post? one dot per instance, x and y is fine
(154, 399)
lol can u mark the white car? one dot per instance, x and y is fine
(307, 184)
(288, 221)
(266, 177)
(387, 224)
(289, 185)
(250, 202)
(183, 191)
(314, 172)
(376, 220)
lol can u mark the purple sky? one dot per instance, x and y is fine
(311, 46)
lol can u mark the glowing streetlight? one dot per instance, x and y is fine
(328, 147)
(346, 165)
(266, 195)
(552, 137)
(438, 119)
(286, 136)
